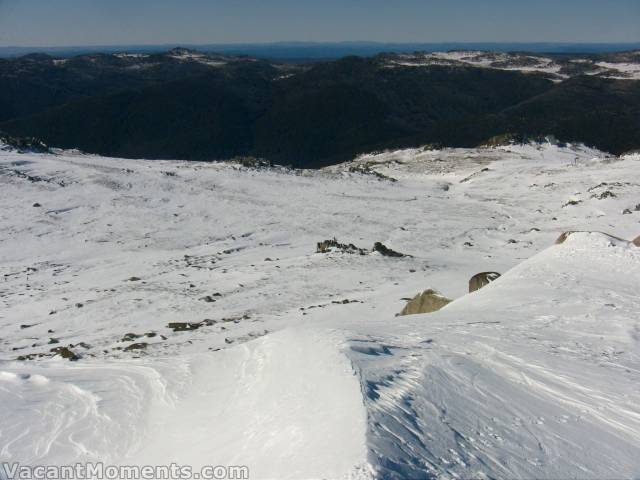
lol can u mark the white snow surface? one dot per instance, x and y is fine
(302, 369)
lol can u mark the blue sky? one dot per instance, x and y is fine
(102, 22)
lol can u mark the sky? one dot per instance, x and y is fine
(127, 22)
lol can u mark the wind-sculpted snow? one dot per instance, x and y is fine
(208, 331)
(533, 376)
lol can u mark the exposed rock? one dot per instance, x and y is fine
(330, 245)
(387, 252)
(184, 326)
(134, 279)
(327, 246)
(425, 302)
(37, 205)
(136, 346)
(603, 195)
(636, 241)
(563, 237)
(480, 280)
(31, 356)
(210, 298)
(66, 352)
(366, 169)
(128, 337)
(609, 184)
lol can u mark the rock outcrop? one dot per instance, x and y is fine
(480, 280)
(330, 245)
(425, 302)
(382, 249)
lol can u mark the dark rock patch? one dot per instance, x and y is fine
(603, 195)
(136, 346)
(327, 246)
(65, 352)
(209, 298)
(184, 326)
(129, 337)
(386, 251)
(483, 279)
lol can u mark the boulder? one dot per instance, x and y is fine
(636, 241)
(480, 280)
(425, 302)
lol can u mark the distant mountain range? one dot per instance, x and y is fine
(187, 104)
(292, 51)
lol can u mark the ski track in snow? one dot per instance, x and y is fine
(535, 375)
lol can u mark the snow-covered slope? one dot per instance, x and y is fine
(534, 376)
(292, 362)
(623, 66)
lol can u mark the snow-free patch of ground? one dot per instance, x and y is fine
(292, 362)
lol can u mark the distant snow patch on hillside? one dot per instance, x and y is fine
(627, 68)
